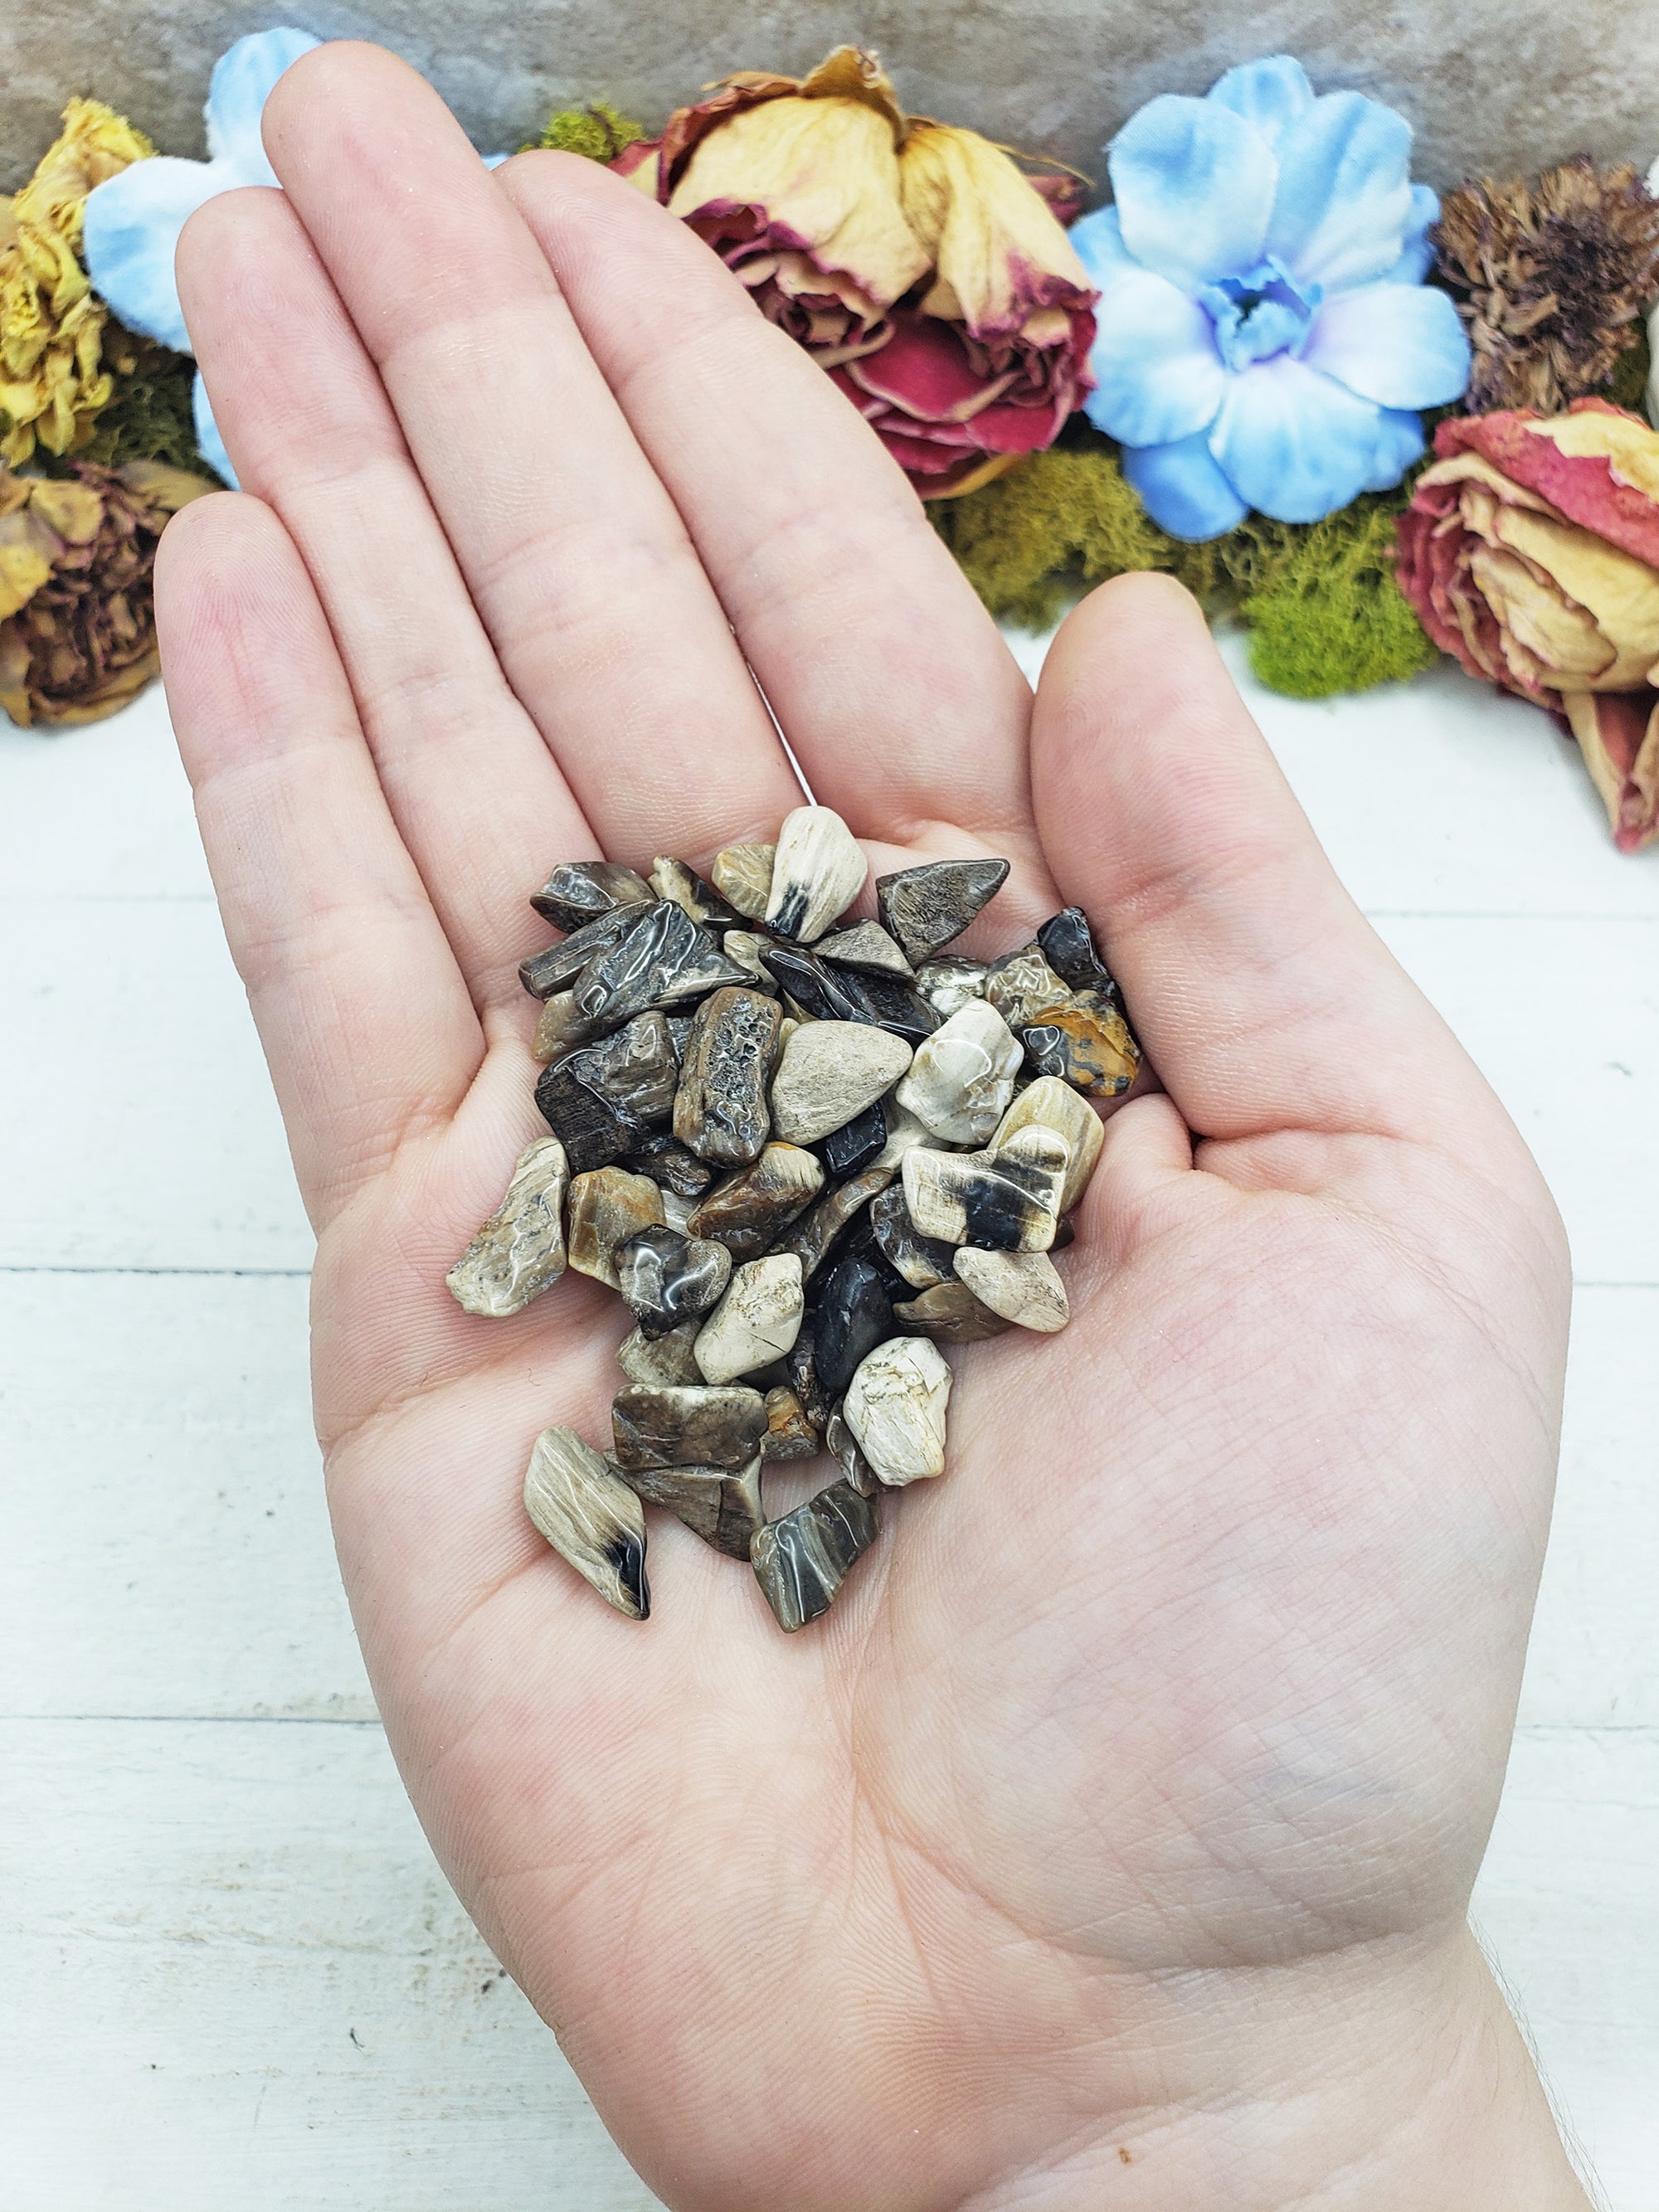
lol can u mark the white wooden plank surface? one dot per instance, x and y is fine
(236, 1976)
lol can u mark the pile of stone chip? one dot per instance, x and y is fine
(807, 1153)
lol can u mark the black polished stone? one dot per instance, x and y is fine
(826, 993)
(666, 1160)
(557, 968)
(801, 1361)
(605, 1099)
(925, 908)
(578, 892)
(856, 1142)
(666, 1277)
(855, 1314)
(801, 1561)
(1068, 945)
(662, 958)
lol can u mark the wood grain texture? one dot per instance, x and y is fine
(234, 1974)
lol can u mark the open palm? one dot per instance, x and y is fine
(1157, 1744)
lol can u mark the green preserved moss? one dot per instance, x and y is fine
(597, 132)
(150, 417)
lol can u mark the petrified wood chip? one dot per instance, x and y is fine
(821, 992)
(657, 1425)
(1054, 1105)
(1007, 1200)
(904, 1131)
(748, 1210)
(789, 1434)
(925, 908)
(578, 892)
(1023, 1287)
(666, 1278)
(720, 1110)
(829, 1071)
(558, 966)
(1069, 946)
(855, 1314)
(843, 1447)
(1086, 1044)
(948, 983)
(865, 945)
(817, 871)
(722, 1506)
(560, 1026)
(756, 1321)
(922, 1260)
(811, 1238)
(857, 1142)
(519, 1250)
(606, 1208)
(803, 1370)
(662, 958)
(673, 879)
(743, 877)
(590, 1517)
(951, 1313)
(604, 1099)
(1022, 987)
(962, 1078)
(894, 1407)
(802, 1561)
(743, 948)
(667, 1362)
(666, 1160)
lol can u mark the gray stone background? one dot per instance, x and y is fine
(1489, 83)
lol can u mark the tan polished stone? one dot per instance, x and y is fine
(830, 1070)
(1055, 1105)
(519, 1251)
(607, 1207)
(590, 1517)
(1023, 1287)
(742, 874)
(756, 1321)
(720, 1505)
(896, 1407)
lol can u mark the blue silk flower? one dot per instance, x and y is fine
(1265, 337)
(133, 220)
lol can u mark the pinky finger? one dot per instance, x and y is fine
(365, 1019)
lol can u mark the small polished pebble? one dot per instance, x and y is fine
(604, 1209)
(922, 1260)
(720, 1110)
(843, 1447)
(560, 1026)
(1068, 944)
(519, 1251)
(752, 1208)
(815, 1234)
(660, 1155)
(789, 1434)
(896, 1406)
(590, 1517)
(668, 1362)
(830, 1072)
(950, 981)
(662, 958)
(677, 1212)
(1023, 1287)
(663, 1425)
(605, 1099)
(578, 891)
(855, 1314)
(802, 1368)
(720, 1505)
(865, 945)
(742, 874)
(801, 1561)
(756, 1321)
(924, 907)
(673, 879)
(825, 992)
(855, 1143)
(666, 1277)
(949, 1313)
(1022, 987)
(1054, 1105)
(1086, 1043)
(1007, 1200)
(817, 869)
(559, 967)
(961, 1081)
(743, 948)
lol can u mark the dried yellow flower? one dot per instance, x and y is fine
(52, 376)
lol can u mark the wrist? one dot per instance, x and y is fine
(1374, 2078)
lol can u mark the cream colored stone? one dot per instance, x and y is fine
(894, 1407)
(829, 1071)
(1005, 1201)
(590, 1517)
(1057, 1106)
(819, 869)
(1023, 1287)
(756, 1322)
(519, 1251)
(742, 874)
(962, 1078)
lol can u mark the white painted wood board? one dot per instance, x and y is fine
(235, 1976)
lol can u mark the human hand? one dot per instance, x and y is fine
(1110, 1842)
